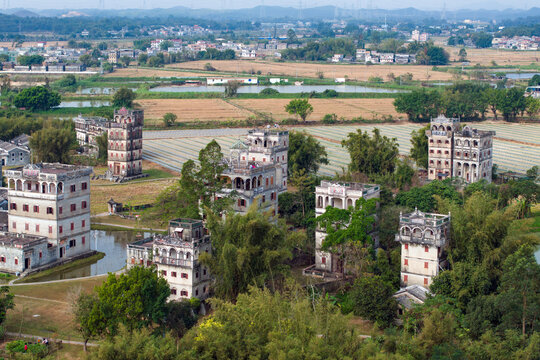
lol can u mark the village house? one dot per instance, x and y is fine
(257, 170)
(13, 155)
(460, 153)
(341, 196)
(176, 256)
(23, 252)
(424, 238)
(88, 128)
(51, 200)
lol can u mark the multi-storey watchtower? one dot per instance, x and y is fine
(125, 144)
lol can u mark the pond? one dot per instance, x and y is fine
(113, 244)
(84, 103)
(286, 89)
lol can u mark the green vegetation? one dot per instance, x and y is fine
(320, 51)
(467, 101)
(26, 60)
(305, 153)
(299, 107)
(124, 98)
(37, 98)
(419, 149)
(169, 119)
(54, 143)
(198, 183)
(246, 251)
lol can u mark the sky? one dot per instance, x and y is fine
(227, 4)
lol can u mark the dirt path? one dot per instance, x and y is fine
(29, 336)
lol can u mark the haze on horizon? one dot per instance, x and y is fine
(236, 4)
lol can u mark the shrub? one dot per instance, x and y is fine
(268, 91)
(330, 119)
(330, 93)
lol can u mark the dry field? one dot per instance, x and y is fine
(192, 109)
(136, 72)
(501, 57)
(189, 110)
(135, 193)
(347, 108)
(353, 72)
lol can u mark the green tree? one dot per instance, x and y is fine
(305, 152)
(532, 106)
(139, 344)
(371, 155)
(197, 188)
(53, 144)
(419, 105)
(231, 88)
(102, 46)
(263, 324)
(125, 60)
(180, 317)
(373, 300)
(462, 54)
(403, 175)
(123, 97)
(26, 60)
(423, 197)
(494, 99)
(291, 37)
(89, 322)
(299, 107)
(246, 250)
(102, 144)
(520, 289)
(37, 98)
(6, 303)
(512, 103)
(165, 45)
(169, 119)
(136, 299)
(482, 39)
(66, 81)
(348, 233)
(419, 149)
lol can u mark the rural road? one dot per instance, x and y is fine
(39, 337)
(12, 282)
(176, 134)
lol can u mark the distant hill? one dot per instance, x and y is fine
(273, 13)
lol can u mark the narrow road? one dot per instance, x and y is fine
(129, 227)
(40, 337)
(12, 282)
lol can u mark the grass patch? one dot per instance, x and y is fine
(109, 222)
(6, 278)
(131, 193)
(57, 269)
(52, 305)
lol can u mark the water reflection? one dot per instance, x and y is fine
(286, 89)
(113, 244)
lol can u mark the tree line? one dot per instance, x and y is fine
(467, 101)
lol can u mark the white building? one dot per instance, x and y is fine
(257, 169)
(463, 153)
(13, 155)
(423, 238)
(51, 200)
(176, 257)
(341, 196)
(223, 81)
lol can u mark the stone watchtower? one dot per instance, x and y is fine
(441, 145)
(124, 150)
(423, 238)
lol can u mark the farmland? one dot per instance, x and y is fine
(516, 147)
(240, 109)
(501, 57)
(134, 72)
(299, 69)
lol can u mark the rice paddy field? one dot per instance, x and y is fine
(516, 146)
